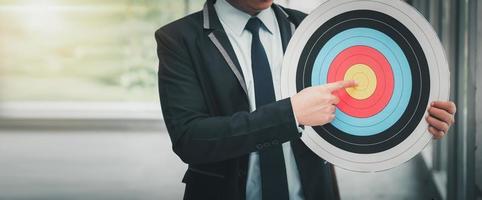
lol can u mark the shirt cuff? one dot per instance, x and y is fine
(300, 128)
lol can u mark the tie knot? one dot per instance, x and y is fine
(253, 25)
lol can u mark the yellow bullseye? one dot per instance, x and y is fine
(366, 79)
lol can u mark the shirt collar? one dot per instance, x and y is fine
(236, 20)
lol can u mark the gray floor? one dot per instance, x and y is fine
(108, 165)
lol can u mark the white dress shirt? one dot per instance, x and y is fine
(234, 21)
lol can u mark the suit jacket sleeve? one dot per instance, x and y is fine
(198, 136)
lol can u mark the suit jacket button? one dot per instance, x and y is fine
(275, 142)
(259, 146)
(266, 145)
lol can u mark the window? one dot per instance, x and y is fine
(82, 50)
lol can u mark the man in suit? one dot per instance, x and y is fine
(219, 73)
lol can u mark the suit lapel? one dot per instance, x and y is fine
(286, 27)
(216, 34)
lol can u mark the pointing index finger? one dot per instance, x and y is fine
(340, 85)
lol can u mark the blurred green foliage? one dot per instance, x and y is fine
(82, 50)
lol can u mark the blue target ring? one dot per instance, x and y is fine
(400, 67)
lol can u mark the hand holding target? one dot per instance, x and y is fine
(315, 106)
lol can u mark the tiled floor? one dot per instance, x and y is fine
(116, 165)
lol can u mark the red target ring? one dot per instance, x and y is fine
(372, 58)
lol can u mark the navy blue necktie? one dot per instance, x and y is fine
(274, 184)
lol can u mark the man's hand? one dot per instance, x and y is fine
(441, 117)
(315, 106)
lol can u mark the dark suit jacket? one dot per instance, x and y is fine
(206, 110)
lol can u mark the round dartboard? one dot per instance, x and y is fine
(400, 66)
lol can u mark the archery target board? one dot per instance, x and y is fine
(399, 63)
